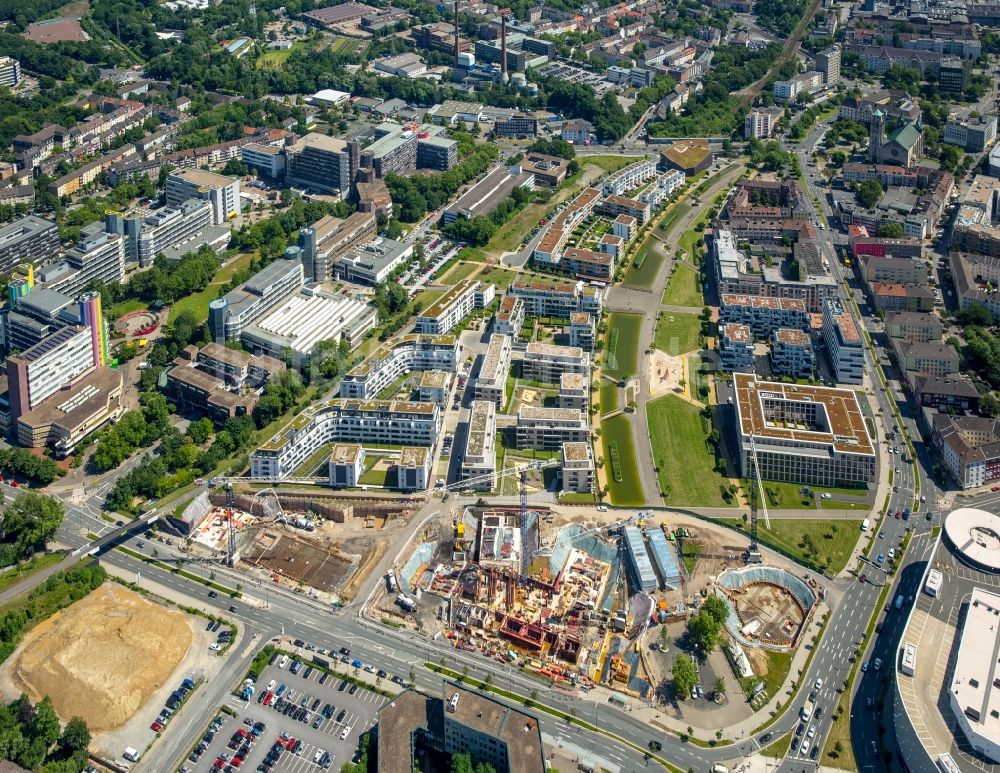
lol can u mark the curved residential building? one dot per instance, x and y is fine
(396, 357)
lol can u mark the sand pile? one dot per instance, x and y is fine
(102, 657)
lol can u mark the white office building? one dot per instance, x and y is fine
(10, 72)
(843, 343)
(169, 227)
(231, 314)
(222, 192)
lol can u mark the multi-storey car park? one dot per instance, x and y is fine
(396, 357)
(802, 434)
(396, 422)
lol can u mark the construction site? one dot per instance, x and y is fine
(310, 541)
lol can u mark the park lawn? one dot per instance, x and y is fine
(840, 731)
(460, 271)
(198, 302)
(677, 333)
(629, 491)
(834, 540)
(608, 163)
(501, 277)
(650, 257)
(270, 60)
(689, 239)
(834, 504)
(783, 496)
(609, 396)
(686, 467)
(126, 307)
(623, 359)
(682, 289)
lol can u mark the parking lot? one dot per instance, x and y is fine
(291, 724)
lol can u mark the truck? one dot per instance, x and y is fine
(406, 602)
(390, 580)
(807, 710)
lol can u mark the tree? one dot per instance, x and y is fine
(975, 314)
(716, 608)
(703, 631)
(685, 676)
(869, 192)
(891, 230)
(720, 686)
(75, 736)
(29, 522)
(989, 405)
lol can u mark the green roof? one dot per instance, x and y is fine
(906, 135)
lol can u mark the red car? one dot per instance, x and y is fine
(995, 488)
(219, 764)
(15, 484)
(236, 762)
(898, 515)
(290, 742)
(156, 727)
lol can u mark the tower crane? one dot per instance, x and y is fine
(756, 490)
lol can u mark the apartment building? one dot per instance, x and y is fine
(976, 228)
(975, 278)
(231, 314)
(320, 163)
(454, 306)
(763, 314)
(548, 362)
(913, 327)
(891, 296)
(413, 469)
(549, 248)
(932, 357)
(951, 393)
(624, 227)
(656, 195)
(875, 268)
(346, 465)
(434, 386)
(843, 343)
(492, 379)
(629, 178)
(552, 299)
(510, 316)
(828, 65)
(802, 434)
(398, 356)
(792, 353)
(736, 348)
(28, 238)
(588, 265)
(578, 468)
(577, 132)
(582, 330)
(549, 171)
(803, 83)
(546, 429)
(395, 423)
(574, 391)
(761, 123)
(479, 459)
(96, 256)
(222, 192)
(969, 448)
(612, 206)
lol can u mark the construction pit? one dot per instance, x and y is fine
(312, 542)
(101, 658)
(771, 605)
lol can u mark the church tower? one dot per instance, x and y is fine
(876, 136)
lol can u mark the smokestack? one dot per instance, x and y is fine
(456, 33)
(503, 47)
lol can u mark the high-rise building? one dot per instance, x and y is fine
(221, 191)
(10, 72)
(48, 366)
(230, 314)
(93, 319)
(321, 163)
(828, 63)
(29, 238)
(329, 239)
(96, 256)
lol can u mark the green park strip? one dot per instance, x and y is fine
(36, 564)
(682, 288)
(620, 462)
(233, 592)
(684, 462)
(532, 703)
(197, 303)
(622, 345)
(823, 545)
(677, 333)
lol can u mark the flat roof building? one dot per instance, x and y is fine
(396, 357)
(346, 465)
(577, 468)
(973, 695)
(222, 192)
(374, 262)
(486, 195)
(546, 429)
(320, 163)
(547, 362)
(454, 306)
(28, 238)
(491, 382)
(480, 447)
(843, 343)
(802, 434)
(231, 314)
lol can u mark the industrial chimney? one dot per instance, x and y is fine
(503, 47)
(456, 33)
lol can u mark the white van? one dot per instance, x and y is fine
(130, 754)
(865, 524)
(345, 732)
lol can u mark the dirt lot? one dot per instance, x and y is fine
(103, 657)
(780, 615)
(299, 558)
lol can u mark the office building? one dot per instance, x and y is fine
(549, 171)
(42, 370)
(736, 348)
(803, 83)
(222, 192)
(479, 459)
(28, 238)
(329, 239)
(577, 468)
(268, 160)
(972, 136)
(454, 306)
(546, 429)
(792, 354)
(373, 263)
(843, 343)
(459, 722)
(229, 315)
(396, 357)
(394, 151)
(301, 321)
(486, 195)
(547, 362)
(492, 379)
(171, 227)
(346, 465)
(439, 153)
(320, 163)
(828, 65)
(96, 256)
(10, 72)
(510, 316)
(802, 434)
(395, 423)
(518, 125)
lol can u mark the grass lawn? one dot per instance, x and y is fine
(270, 60)
(841, 731)
(501, 277)
(688, 240)
(677, 333)
(198, 303)
(126, 307)
(689, 554)
(459, 272)
(617, 433)
(686, 468)
(831, 541)
(609, 396)
(779, 748)
(622, 345)
(650, 257)
(833, 504)
(608, 163)
(347, 46)
(682, 289)
(427, 297)
(38, 562)
(783, 496)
